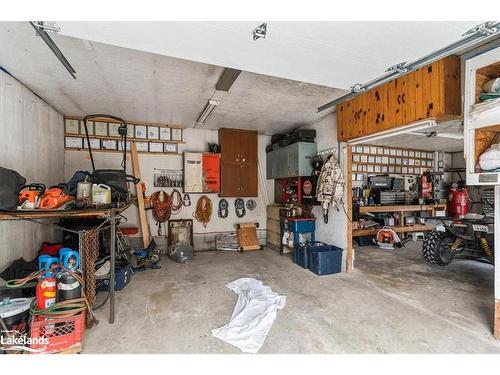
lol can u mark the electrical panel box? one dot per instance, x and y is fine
(481, 118)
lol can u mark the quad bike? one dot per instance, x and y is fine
(470, 237)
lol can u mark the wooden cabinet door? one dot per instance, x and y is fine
(229, 142)
(342, 119)
(247, 146)
(431, 90)
(248, 180)
(230, 179)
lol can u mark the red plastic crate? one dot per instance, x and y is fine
(63, 334)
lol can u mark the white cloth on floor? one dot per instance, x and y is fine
(253, 315)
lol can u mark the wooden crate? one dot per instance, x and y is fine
(273, 211)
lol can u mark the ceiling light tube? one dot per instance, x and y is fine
(472, 38)
(209, 108)
(428, 124)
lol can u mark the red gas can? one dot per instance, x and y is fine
(46, 291)
(458, 202)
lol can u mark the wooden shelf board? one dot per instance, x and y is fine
(402, 208)
(395, 228)
(48, 214)
(107, 137)
(121, 152)
(128, 122)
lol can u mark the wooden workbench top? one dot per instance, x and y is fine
(402, 208)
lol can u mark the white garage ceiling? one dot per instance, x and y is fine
(138, 85)
(334, 54)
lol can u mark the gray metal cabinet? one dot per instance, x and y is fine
(290, 161)
(270, 156)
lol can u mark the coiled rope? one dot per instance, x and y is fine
(203, 212)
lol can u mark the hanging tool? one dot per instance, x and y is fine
(239, 206)
(186, 200)
(223, 208)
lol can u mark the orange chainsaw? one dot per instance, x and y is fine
(29, 196)
(56, 197)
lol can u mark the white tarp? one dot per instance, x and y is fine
(253, 315)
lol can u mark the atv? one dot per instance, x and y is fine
(470, 237)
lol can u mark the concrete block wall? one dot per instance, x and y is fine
(32, 143)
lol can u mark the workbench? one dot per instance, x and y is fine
(401, 209)
(108, 214)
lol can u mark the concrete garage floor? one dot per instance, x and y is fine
(393, 302)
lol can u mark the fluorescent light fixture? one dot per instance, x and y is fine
(406, 129)
(212, 103)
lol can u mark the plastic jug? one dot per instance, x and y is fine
(101, 195)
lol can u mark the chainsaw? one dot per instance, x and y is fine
(56, 197)
(30, 195)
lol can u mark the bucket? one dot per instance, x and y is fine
(15, 313)
(101, 195)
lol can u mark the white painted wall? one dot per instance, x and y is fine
(335, 231)
(196, 141)
(31, 142)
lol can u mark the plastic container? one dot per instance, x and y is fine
(15, 313)
(301, 225)
(57, 335)
(301, 256)
(101, 195)
(122, 277)
(325, 259)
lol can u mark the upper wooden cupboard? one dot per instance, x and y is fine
(432, 91)
(239, 163)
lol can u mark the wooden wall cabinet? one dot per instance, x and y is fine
(429, 92)
(239, 163)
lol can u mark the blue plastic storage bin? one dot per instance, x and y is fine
(301, 226)
(325, 259)
(301, 256)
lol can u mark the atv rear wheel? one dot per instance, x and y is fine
(436, 248)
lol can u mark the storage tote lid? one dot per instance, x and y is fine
(10, 307)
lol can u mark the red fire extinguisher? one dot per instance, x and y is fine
(458, 201)
(46, 290)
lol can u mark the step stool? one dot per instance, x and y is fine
(417, 236)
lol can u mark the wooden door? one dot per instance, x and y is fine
(248, 186)
(229, 144)
(230, 179)
(247, 146)
(342, 119)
